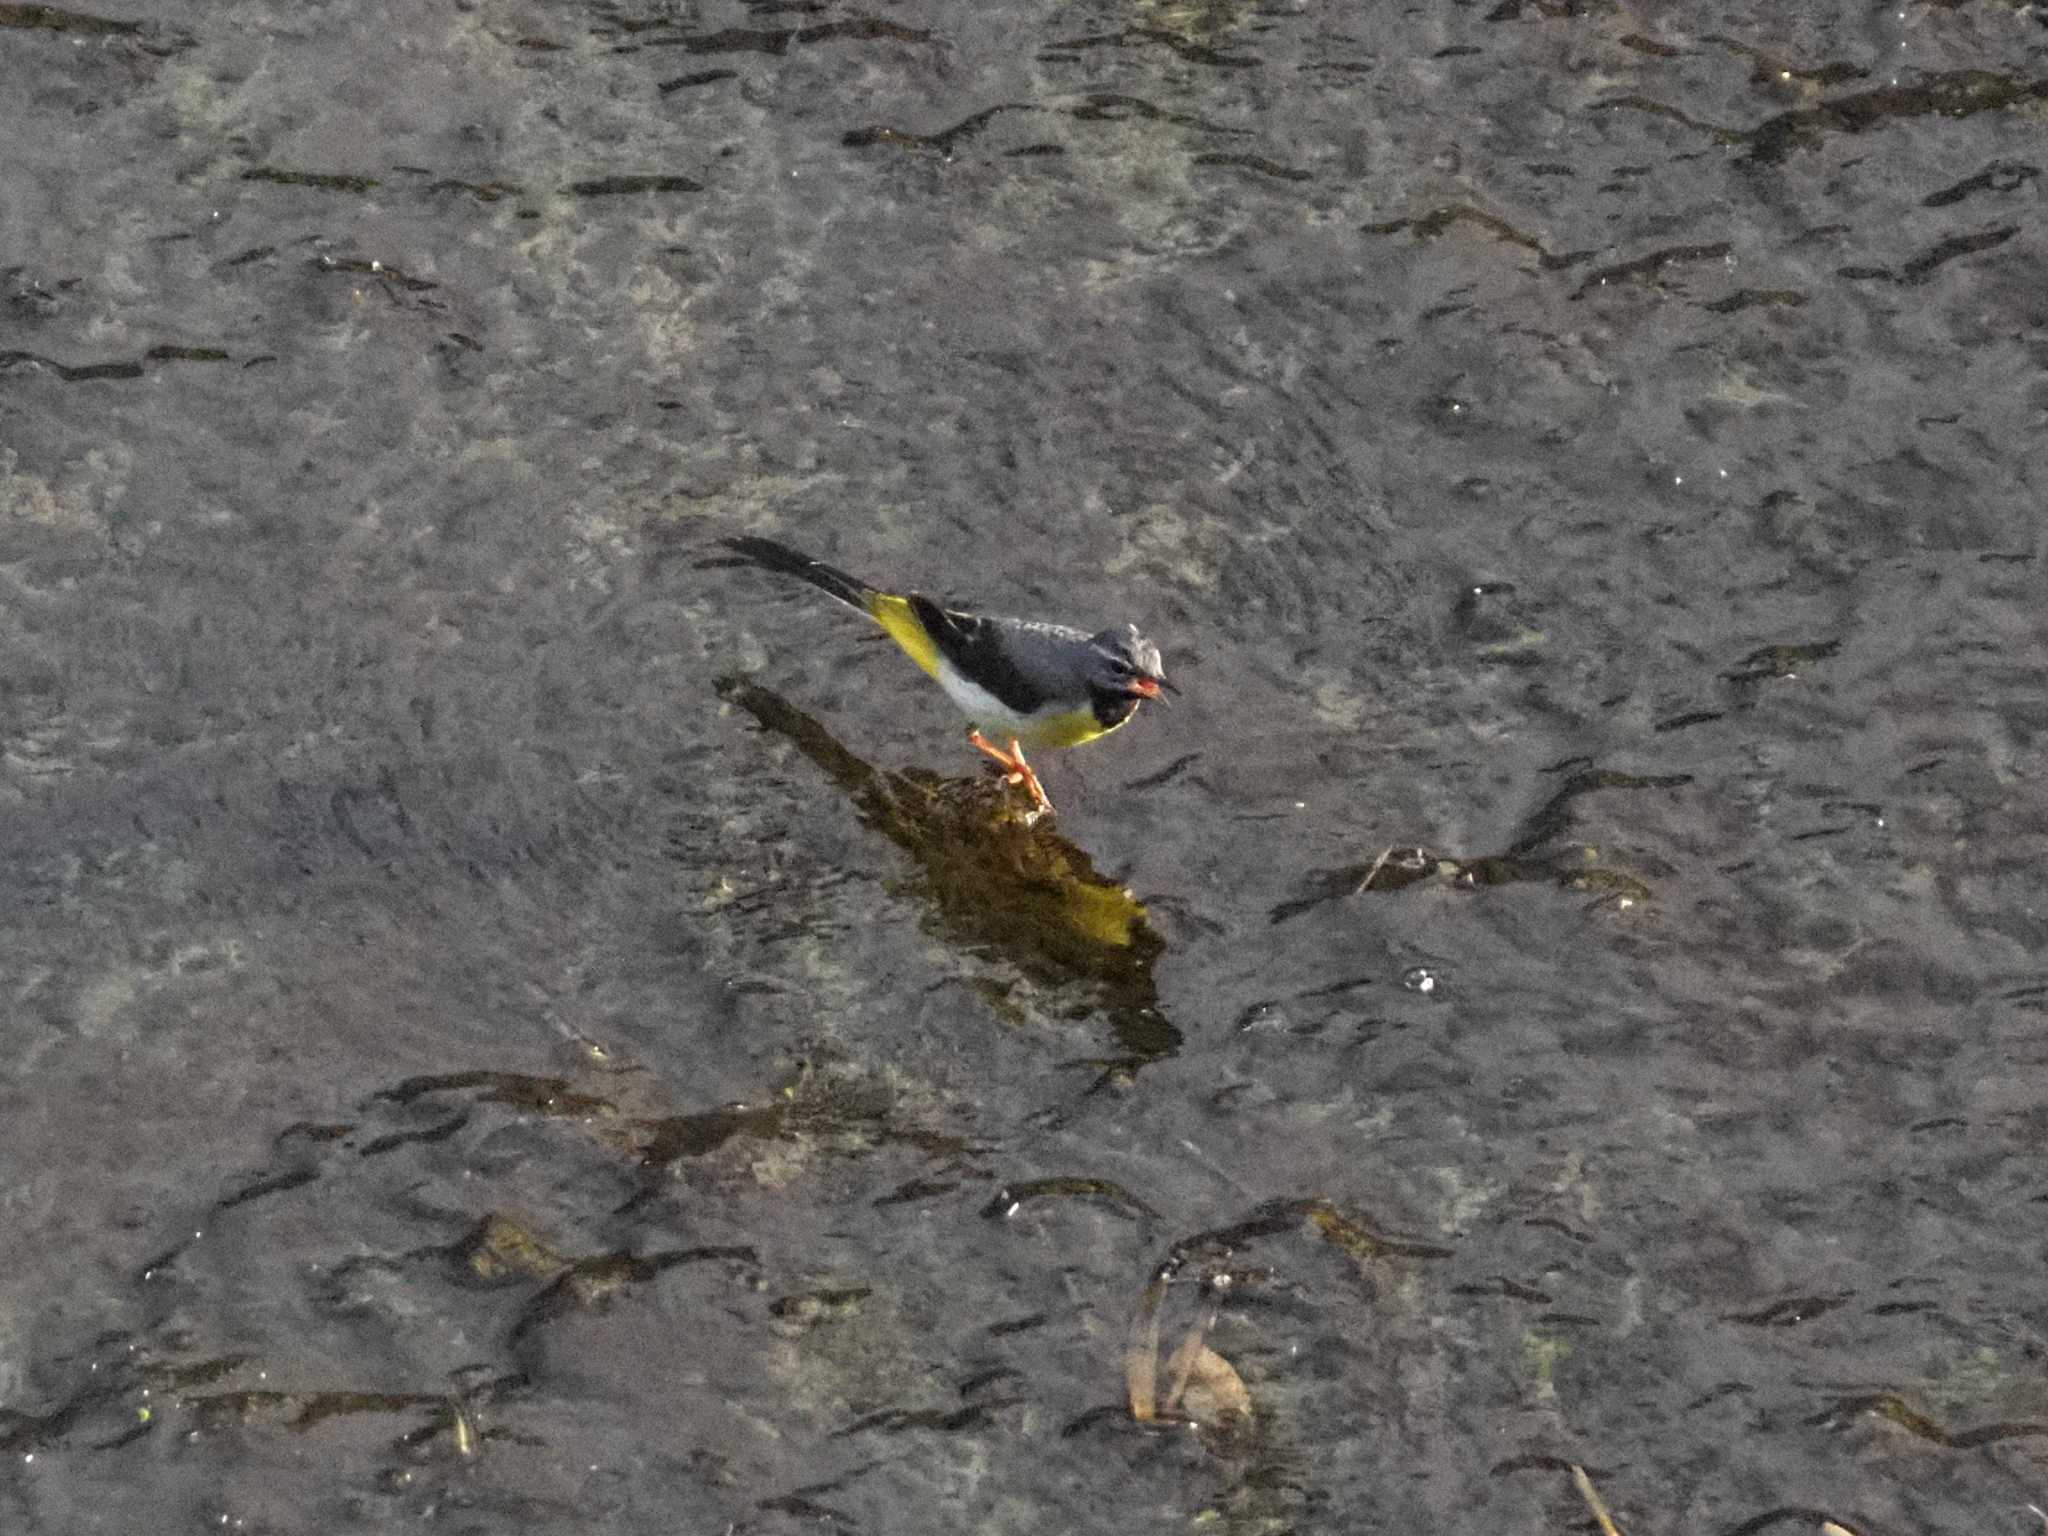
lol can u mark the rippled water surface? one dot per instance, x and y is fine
(512, 1020)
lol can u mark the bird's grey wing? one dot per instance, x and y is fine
(1023, 664)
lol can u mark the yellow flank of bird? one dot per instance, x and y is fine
(1067, 730)
(895, 615)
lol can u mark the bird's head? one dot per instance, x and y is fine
(1123, 664)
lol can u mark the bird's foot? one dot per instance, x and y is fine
(1015, 771)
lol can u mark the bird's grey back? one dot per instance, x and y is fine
(1025, 665)
(1053, 657)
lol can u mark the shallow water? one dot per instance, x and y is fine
(517, 1022)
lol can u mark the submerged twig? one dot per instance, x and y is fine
(1378, 864)
(1141, 1354)
(1594, 1502)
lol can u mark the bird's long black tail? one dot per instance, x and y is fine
(771, 556)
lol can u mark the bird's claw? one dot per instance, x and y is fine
(1015, 771)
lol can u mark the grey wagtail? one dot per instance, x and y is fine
(1030, 683)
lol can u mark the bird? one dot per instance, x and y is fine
(1023, 682)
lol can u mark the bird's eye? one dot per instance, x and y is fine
(1120, 668)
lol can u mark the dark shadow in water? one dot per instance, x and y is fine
(1948, 94)
(1998, 176)
(82, 24)
(1530, 857)
(942, 141)
(1889, 1405)
(1119, 106)
(1257, 163)
(70, 373)
(1013, 1197)
(48, 18)
(1096, 107)
(1765, 68)
(319, 181)
(597, 1280)
(1789, 1313)
(626, 185)
(1751, 298)
(1063, 50)
(1646, 268)
(1921, 268)
(80, 373)
(993, 884)
(1442, 218)
(632, 1113)
(699, 77)
(776, 41)
(1280, 1218)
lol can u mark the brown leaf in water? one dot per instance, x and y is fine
(1214, 1393)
